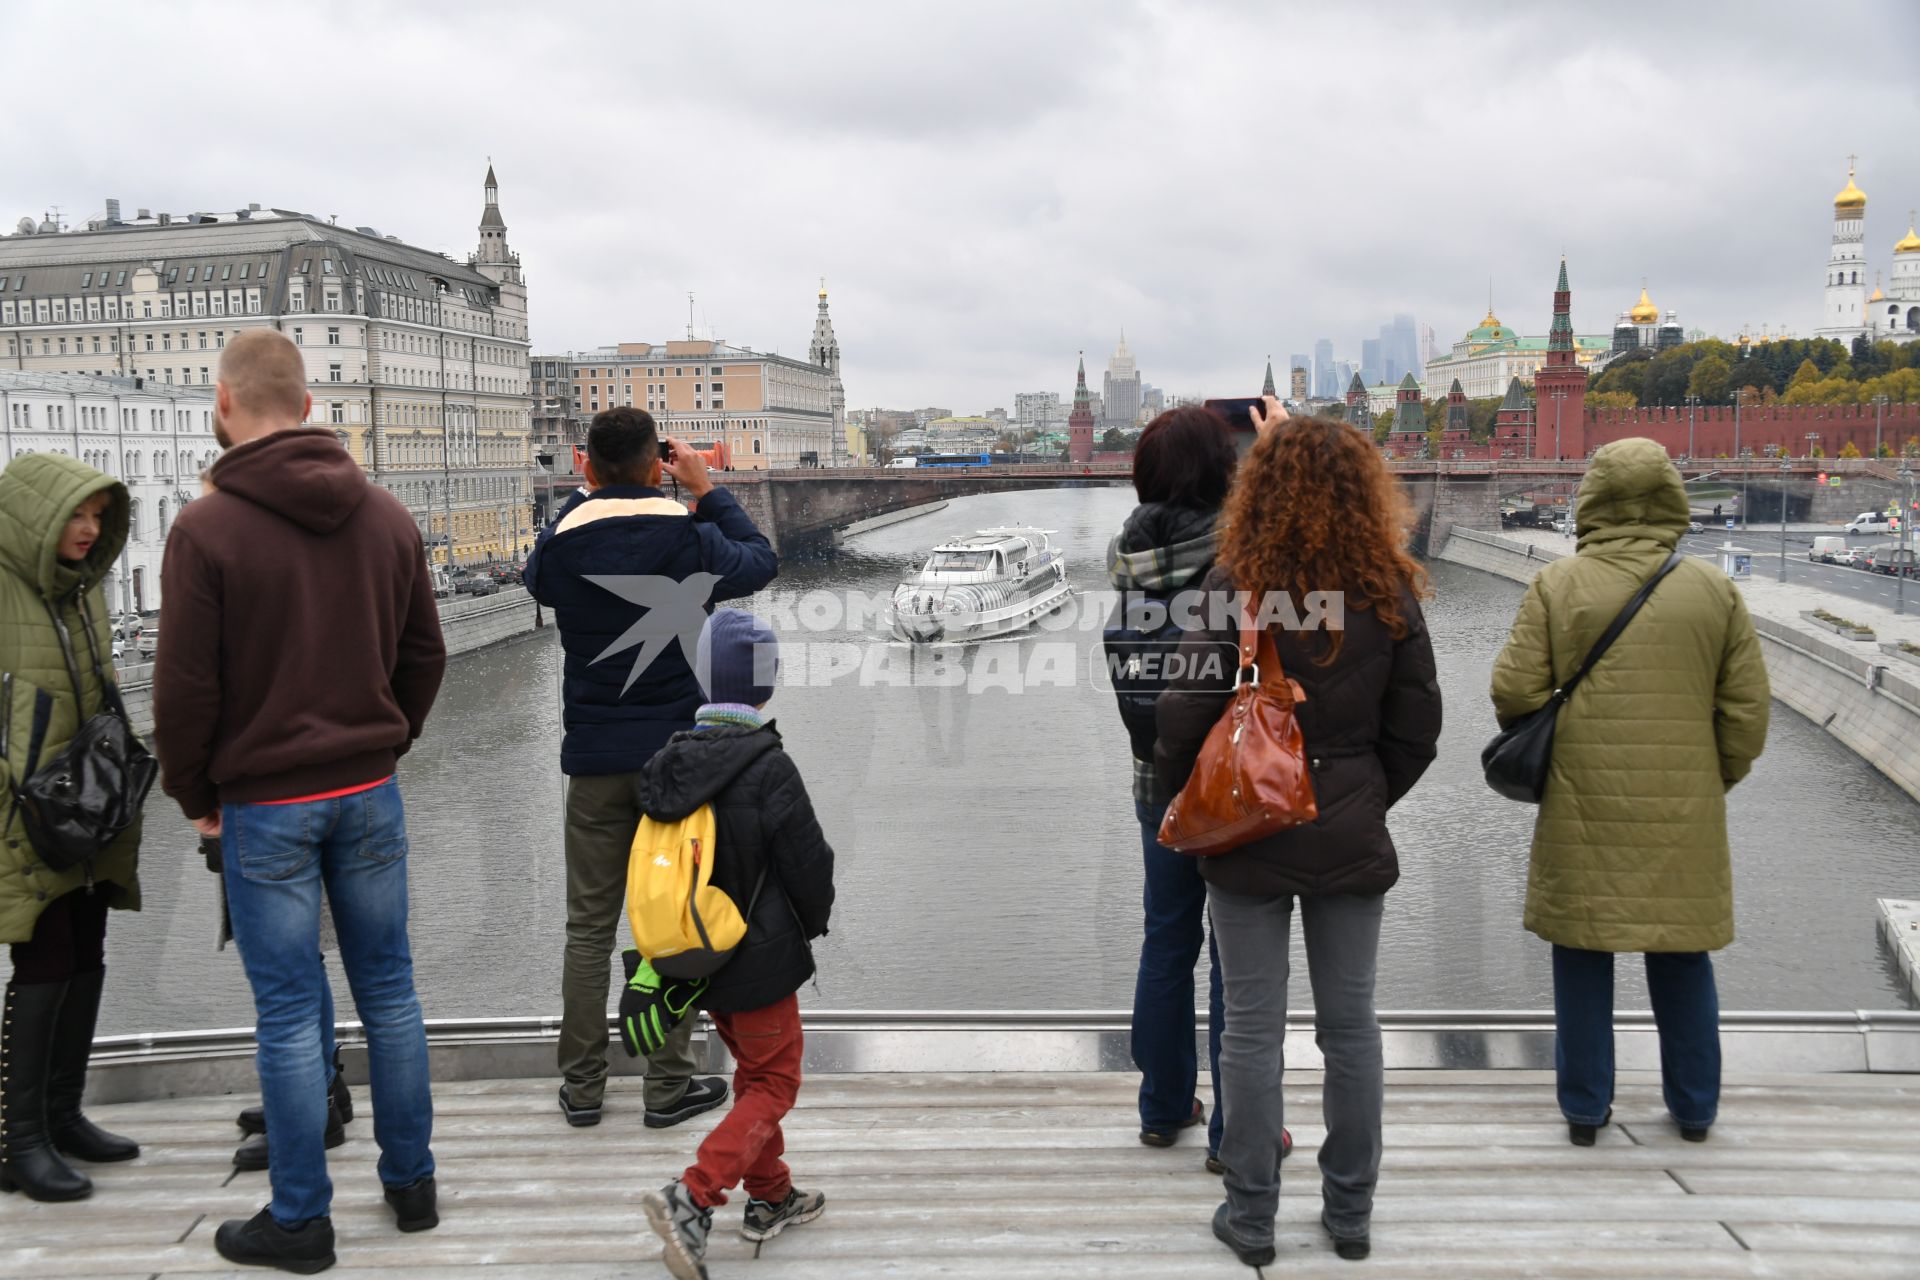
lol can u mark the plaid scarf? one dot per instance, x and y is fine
(1160, 569)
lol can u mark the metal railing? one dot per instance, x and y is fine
(165, 1064)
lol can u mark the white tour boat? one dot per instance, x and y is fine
(991, 583)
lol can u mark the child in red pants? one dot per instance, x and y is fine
(772, 859)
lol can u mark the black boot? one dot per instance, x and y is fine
(28, 1161)
(73, 1134)
(252, 1155)
(254, 1119)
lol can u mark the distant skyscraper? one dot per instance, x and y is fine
(1121, 393)
(1429, 347)
(1371, 370)
(1401, 355)
(1342, 375)
(1323, 368)
(1297, 387)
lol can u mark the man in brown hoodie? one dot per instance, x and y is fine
(303, 653)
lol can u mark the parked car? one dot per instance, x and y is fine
(147, 643)
(1850, 558)
(477, 584)
(1694, 526)
(1825, 547)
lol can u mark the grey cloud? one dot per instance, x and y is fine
(991, 188)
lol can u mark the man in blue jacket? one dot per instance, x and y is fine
(630, 576)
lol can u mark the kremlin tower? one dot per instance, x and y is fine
(1080, 421)
(1560, 387)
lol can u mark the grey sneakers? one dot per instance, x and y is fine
(684, 1225)
(764, 1221)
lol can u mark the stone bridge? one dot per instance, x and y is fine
(801, 508)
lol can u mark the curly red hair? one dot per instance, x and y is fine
(1314, 508)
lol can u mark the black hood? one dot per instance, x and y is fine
(1162, 524)
(698, 764)
(303, 474)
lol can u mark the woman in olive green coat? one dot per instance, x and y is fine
(1630, 846)
(62, 525)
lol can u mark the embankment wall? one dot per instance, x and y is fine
(1867, 699)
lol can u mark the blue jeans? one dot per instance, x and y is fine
(1686, 1009)
(1164, 1044)
(277, 858)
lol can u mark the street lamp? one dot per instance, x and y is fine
(1785, 467)
(1558, 394)
(1903, 568)
(1879, 416)
(1693, 402)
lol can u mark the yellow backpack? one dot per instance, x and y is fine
(682, 923)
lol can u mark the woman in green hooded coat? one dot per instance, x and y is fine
(1630, 845)
(62, 525)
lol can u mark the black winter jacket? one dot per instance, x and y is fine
(608, 567)
(763, 821)
(1370, 722)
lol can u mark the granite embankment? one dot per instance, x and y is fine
(468, 622)
(1864, 692)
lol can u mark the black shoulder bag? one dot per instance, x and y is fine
(79, 802)
(1518, 759)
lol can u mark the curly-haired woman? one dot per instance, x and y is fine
(1313, 510)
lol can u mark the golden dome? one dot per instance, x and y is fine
(1877, 295)
(1644, 312)
(1852, 197)
(1909, 244)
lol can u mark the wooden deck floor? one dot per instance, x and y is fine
(1020, 1177)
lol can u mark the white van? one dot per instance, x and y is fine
(899, 464)
(1826, 546)
(1871, 522)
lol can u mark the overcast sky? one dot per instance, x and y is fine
(990, 187)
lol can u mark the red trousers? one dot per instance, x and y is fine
(746, 1146)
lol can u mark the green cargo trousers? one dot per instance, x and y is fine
(602, 814)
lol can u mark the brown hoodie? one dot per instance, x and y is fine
(301, 645)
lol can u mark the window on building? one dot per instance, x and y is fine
(333, 335)
(333, 373)
(299, 336)
(336, 412)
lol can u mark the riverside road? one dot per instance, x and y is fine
(1840, 580)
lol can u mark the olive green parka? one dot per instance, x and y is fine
(1630, 845)
(38, 495)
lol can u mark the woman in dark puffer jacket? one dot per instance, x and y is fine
(1182, 466)
(1313, 510)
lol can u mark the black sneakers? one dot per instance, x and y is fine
(764, 1220)
(684, 1225)
(1254, 1255)
(261, 1242)
(416, 1205)
(701, 1095)
(577, 1116)
(1352, 1248)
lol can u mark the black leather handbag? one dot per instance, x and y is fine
(1518, 759)
(79, 802)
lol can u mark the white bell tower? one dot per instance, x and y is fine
(1843, 310)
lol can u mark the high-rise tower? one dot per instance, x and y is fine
(1080, 421)
(824, 351)
(1842, 312)
(1560, 386)
(1120, 396)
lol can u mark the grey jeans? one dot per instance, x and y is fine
(1343, 943)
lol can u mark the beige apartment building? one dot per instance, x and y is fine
(417, 362)
(772, 411)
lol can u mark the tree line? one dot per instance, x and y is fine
(1783, 371)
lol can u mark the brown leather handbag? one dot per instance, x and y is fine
(1250, 779)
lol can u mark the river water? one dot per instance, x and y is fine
(987, 852)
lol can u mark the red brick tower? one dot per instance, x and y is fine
(1513, 424)
(1408, 437)
(1080, 421)
(1560, 388)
